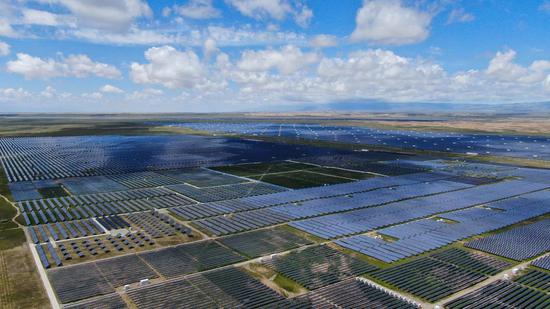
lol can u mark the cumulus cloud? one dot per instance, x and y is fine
(390, 22)
(323, 40)
(197, 9)
(4, 48)
(273, 9)
(110, 89)
(460, 16)
(209, 47)
(169, 67)
(287, 60)
(7, 94)
(72, 66)
(503, 68)
(112, 15)
(290, 74)
(48, 92)
(378, 74)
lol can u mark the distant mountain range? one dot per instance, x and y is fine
(416, 107)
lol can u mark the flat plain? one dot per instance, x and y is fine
(274, 211)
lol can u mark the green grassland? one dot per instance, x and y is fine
(20, 285)
(293, 175)
(50, 192)
(257, 169)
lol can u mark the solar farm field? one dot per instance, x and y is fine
(521, 146)
(197, 221)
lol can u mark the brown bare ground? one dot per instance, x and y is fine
(512, 125)
(20, 285)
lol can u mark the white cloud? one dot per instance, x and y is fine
(460, 16)
(8, 94)
(260, 9)
(74, 65)
(546, 83)
(134, 36)
(145, 94)
(112, 15)
(48, 92)
(378, 74)
(4, 48)
(304, 16)
(243, 36)
(198, 9)
(110, 89)
(223, 36)
(274, 9)
(44, 18)
(287, 60)
(390, 22)
(6, 28)
(502, 68)
(323, 40)
(83, 66)
(33, 67)
(289, 75)
(92, 95)
(210, 47)
(169, 67)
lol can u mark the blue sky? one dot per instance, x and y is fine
(238, 55)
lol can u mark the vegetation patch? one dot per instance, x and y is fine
(7, 212)
(272, 279)
(11, 238)
(258, 169)
(301, 179)
(51, 192)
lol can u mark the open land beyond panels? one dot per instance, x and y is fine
(271, 211)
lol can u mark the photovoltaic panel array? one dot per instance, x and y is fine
(502, 294)
(362, 220)
(87, 280)
(428, 278)
(38, 158)
(319, 266)
(350, 293)
(247, 220)
(519, 243)
(424, 235)
(522, 146)
(299, 196)
(224, 288)
(78, 207)
(263, 242)
(543, 262)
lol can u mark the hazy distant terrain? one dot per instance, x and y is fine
(85, 124)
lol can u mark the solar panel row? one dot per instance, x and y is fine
(358, 221)
(519, 243)
(425, 235)
(504, 294)
(192, 212)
